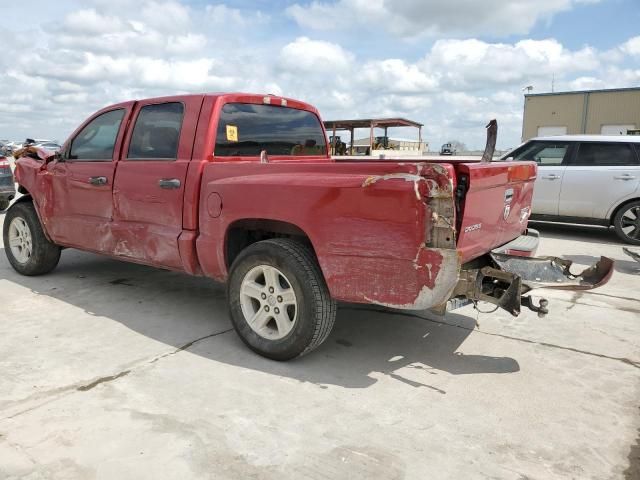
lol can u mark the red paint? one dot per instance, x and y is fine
(368, 233)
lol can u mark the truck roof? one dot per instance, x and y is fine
(241, 97)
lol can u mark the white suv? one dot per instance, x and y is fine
(588, 179)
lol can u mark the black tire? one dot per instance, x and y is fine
(316, 310)
(44, 254)
(620, 222)
(4, 204)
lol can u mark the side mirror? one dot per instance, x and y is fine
(58, 156)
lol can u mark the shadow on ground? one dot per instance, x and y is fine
(633, 472)
(176, 309)
(582, 233)
(623, 266)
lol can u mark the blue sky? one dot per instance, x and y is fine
(450, 65)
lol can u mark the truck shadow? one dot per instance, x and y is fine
(176, 309)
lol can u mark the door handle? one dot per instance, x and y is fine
(169, 183)
(97, 181)
(553, 176)
(625, 176)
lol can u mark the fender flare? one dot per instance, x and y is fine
(28, 198)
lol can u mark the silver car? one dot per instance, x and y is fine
(587, 179)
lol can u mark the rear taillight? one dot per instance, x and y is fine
(5, 167)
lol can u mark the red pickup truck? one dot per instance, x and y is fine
(241, 188)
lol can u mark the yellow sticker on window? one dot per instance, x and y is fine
(232, 133)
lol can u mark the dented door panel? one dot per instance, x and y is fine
(81, 209)
(149, 189)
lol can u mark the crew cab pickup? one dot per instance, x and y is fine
(241, 188)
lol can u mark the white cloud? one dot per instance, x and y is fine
(220, 14)
(108, 53)
(305, 55)
(410, 18)
(90, 22)
(468, 63)
(631, 46)
(166, 16)
(182, 44)
(396, 76)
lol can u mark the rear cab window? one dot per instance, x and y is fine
(543, 153)
(246, 129)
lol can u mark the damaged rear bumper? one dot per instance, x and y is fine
(508, 278)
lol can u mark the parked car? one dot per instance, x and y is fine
(219, 185)
(53, 146)
(7, 186)
(586, 179)
(447, 149)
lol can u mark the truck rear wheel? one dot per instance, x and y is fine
(278, 299)
(27, 249)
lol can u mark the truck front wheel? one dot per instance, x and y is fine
(278, 299)
(27, 249)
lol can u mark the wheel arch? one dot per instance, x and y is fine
(244, 232)
(27, 197)
(623, 204)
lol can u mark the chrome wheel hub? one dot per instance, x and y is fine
(268, 302)
(630, 223)
(20, 241)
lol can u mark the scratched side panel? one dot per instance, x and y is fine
(368, 235)
(37, 182)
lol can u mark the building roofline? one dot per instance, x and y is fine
(579, 92)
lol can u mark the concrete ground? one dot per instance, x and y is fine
(116, 371)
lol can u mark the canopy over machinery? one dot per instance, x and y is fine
(339, 148)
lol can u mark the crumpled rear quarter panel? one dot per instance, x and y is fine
(368, 234)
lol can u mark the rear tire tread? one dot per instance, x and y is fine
(321, 307)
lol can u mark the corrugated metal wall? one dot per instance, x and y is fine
(606, 108)
(584, 112)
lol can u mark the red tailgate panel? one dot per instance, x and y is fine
(497, 205)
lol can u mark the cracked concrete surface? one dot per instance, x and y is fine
(112, 370)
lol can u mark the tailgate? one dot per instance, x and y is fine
(496, 206)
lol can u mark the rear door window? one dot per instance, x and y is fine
(543, 153)
(156, 134)
(246, 129)
(97, 139)
(605, 154)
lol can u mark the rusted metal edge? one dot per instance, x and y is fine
(492, 136)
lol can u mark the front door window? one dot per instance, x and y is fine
(97, 139)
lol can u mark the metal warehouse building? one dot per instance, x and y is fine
(607, 112)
